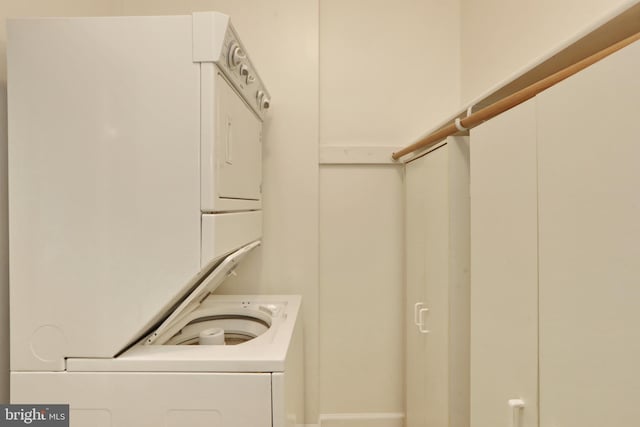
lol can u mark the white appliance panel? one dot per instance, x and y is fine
(105, 192)
(231, 147)
(141, 399)
(104, 181)
(276, 350)
(224, 232)
(238, 151)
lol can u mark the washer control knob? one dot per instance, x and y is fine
(259, 97)
(244, 70)
(263, 101)
(235, 55)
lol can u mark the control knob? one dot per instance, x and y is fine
(263, 100)
(235, 55)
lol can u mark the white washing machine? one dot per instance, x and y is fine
(135, 189)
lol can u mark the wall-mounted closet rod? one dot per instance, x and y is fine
(514, 99)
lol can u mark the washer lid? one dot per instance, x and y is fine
(208, 285)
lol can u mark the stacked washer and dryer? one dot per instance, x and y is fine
(135, 190)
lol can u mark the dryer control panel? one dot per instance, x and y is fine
(215, 40)
(237, 66)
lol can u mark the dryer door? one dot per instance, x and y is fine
(237, 145)
(231, 149)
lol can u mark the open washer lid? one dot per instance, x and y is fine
(208, 285)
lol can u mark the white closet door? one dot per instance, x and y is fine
(589, 182)
(427, 284)
(504, 277)
(437, 279)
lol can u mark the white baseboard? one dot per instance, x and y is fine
(370, 419)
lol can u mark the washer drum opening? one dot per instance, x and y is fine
(238, 329)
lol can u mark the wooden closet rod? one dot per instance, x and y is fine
(514, 99)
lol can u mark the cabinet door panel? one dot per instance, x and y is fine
(415, 212)
(427, 283)
(437, 237)
(436, 287)
(504, 277)
(589, 174)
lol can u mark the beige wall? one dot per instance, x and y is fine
(388, 71)
(500, 37)
(361, 291)
(8, 9)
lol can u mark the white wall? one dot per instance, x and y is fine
(8, 9)
(500, 37)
